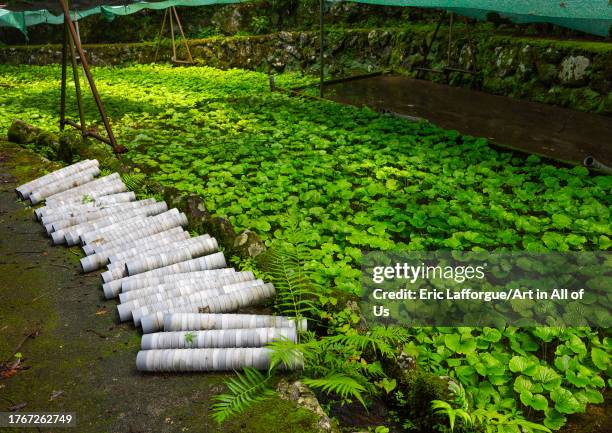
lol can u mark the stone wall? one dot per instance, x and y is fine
(572, 74)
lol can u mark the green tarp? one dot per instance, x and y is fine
(589, 16)
(22, 19)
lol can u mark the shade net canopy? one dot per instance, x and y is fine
(26, 13)
(589, 16)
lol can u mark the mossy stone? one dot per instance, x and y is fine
(69, 143)
(22, 133)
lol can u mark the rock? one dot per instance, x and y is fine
(94, 149)
(304, 398)
(547, 73)
(22, 133)
(573, 70)
(69, 144)
(249, 244)
(47, 144)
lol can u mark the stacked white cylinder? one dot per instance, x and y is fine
(64, 184)
(117, 267)
(154, 280)
(97, 260)
(185, 285)
(227, 359)
(24, 191)
(200, 298)
(91, 190)
(213, 261)
(205, 287)
(141, 229)
(74, 218)
(187, 250)
(254, 337)
(220, 304)
(200, 322)
(98, 203)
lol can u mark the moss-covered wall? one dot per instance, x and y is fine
(574, 74)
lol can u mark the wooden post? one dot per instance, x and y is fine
(63, 84)
(172, 35)
(77, 86)
(321, 47)
(180, 26)
(161, 33)
(90, 80)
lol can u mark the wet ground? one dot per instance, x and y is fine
(78, 358)
(559, 133)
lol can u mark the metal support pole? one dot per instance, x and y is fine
(180, 26)
(63, 85)
(321, 47)
(172, 34)
(77, 86)
(92, 84)
(161, 32)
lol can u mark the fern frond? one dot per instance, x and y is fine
(338, 383)
(134, 181)
(362, 342)
(285, 353)
(246, 389)
(296, 294)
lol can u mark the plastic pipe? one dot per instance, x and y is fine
(82, 196)
(98, 203)
(591, 162)
(71, 235)
(119, 221)
(150, 281)
(227, 359)
(215, 280)
(220, 285)
(97, 260)
(187, 250)
(195, 298)
(200, 322)
(255, 337)
(23, 191)
(48, 190)
(213, 261)
(118, 269)
(220, 304)
(123, 219)
(71, 218)
(81, 189)
(149, 226)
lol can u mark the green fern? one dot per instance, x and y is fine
(134, 181)
(341, 384)
(296, 294)
(245, 389)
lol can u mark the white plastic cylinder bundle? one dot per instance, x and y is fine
(204, 321)
(117, 268)
(73, 232)
(220, 304)
(156, 224)
(211, 287)
(190, 249)
(199, 283)
(100, 202)
(213, 261)
(64, 184)
(150, 281)
(87, 190)
(127, 218)
(23, 191)
(164, 304)
(137, 219)
(226, 359)
(254, 337)
(74, 218)
(101, 258)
